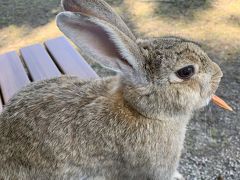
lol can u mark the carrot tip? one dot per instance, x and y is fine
(221, 103)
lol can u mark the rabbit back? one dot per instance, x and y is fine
(40, 126)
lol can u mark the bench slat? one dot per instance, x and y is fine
(68, 59)
(39, 63)
(13, 76)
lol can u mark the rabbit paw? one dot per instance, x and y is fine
(178, 176)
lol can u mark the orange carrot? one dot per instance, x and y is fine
(218, 101)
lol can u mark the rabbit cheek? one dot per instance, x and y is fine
(195, 93)
(205, 89)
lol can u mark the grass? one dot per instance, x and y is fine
(216, 26)
(26, 12)
(25, 22)
(216, 23)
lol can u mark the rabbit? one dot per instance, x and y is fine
(125, 127)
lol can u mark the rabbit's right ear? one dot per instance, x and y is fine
(99, 9)
(101, 41)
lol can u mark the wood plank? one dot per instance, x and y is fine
(13, 76)
(39, 63)
(68, 59)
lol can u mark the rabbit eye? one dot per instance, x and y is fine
(186, 72)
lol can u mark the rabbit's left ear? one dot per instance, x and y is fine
(99, 9)
(101, 41)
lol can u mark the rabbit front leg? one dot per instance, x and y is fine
(92, 178)
(164, 173)
(178, 176)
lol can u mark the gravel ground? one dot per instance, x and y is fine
(212, 145)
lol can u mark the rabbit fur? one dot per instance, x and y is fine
(129, 126)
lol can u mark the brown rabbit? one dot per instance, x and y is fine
(130, 126)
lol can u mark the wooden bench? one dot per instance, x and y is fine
(38, 62)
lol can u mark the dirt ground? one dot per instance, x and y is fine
(212, 147)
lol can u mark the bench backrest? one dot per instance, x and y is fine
(38, 62)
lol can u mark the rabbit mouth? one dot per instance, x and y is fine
(208, 101)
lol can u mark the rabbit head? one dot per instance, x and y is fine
(159, 76)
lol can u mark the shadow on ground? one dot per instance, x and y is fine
(234, 20)
(33, 13)
(181, 9)
(114, 2)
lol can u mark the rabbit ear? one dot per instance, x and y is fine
(100, 41)
(99, 9)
